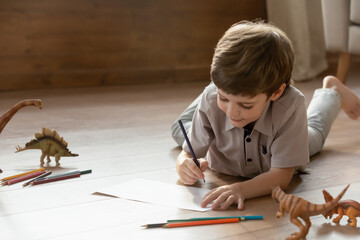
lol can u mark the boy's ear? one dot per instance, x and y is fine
(278, 92)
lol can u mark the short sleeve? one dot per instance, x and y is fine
(290, 146)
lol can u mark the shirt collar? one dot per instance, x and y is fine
(263, 124)
(228, 125)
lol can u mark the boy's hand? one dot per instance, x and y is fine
(188, 172)
(223, 197)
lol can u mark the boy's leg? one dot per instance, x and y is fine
(322, 111)
(186, 118)
(325, 106)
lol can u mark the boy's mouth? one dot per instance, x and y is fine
(234, 120)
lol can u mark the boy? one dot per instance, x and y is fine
(250, 122)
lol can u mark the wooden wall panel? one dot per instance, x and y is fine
(98, 42)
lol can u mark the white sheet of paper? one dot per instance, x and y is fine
(159, 193)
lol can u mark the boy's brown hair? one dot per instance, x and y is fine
(252, 58)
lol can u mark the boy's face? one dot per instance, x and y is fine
(241, 110)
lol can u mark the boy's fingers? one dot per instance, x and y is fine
(221, 199)
(241, 204)
(188, 179)
(228, 202)
(209, 193)
(209, 197)
(203, 165)
(196, 171)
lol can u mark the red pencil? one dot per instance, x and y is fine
(23, 178)
(54, 179)
(22, 174)
(194, 223)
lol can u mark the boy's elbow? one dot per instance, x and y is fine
(177, 134)
(284, 176)
(287, 177)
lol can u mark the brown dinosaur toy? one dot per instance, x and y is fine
(300, 208)
(350, 208)
(51, 144)
(10, 113)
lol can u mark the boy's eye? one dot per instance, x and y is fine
(240, 104)
(246, 107)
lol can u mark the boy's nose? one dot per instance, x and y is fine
(233, 111)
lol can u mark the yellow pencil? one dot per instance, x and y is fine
(22, 174)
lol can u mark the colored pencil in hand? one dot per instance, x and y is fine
(189, 145)
(191, 223)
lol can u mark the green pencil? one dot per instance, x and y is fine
(241, 218)
(67, 174)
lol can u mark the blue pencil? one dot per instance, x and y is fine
(241, 218)
(66, 174)
(189, 145)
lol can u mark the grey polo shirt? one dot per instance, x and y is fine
(279, 137)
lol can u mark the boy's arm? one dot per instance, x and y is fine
(200, 135)
(224, 196)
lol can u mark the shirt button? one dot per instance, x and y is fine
(248, 139)
(249, 160)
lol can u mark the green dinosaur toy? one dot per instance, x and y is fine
(51, 144)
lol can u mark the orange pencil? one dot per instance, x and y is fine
(194, 223)
(23, 178)
(22, 174)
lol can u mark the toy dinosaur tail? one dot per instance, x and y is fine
(315, 209)
(19, 149)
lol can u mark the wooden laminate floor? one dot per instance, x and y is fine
(123, 133)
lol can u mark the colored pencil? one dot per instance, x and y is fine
(241, 218)
(189, 145)
(42, 181)
(23, 178)
(22, 174)
(67, 174)
(192, 223)
(41, 176)
(60, 177)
